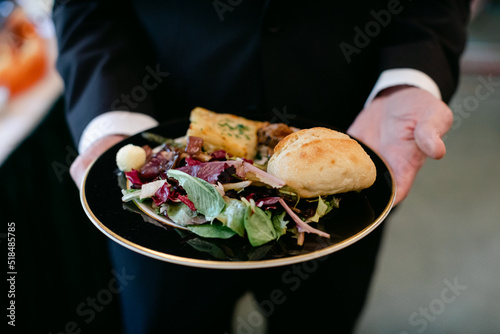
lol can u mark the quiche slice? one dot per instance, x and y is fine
(234, 134)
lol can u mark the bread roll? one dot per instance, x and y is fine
(320, 161)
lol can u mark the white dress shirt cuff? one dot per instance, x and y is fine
(404, 76)
(114, 123)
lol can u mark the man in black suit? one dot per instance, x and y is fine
(379, 70)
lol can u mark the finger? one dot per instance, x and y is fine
(429, 130)
(430, 144)
(77, 170)
(405, 166)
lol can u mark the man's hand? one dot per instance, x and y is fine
(81, 163)
(404, 125)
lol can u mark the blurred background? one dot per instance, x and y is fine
(29, 83)
(60, 259)
(447, 230)
(438, 269)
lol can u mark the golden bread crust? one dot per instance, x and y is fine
(320, 161)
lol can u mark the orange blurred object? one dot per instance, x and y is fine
(23, 55)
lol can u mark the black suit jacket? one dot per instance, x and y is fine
(274, 60)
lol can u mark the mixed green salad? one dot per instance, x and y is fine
(217, 195)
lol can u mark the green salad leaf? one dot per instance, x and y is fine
(160, 139)
(279, 224)
(204, 196)
(130, 194)
(180, 213)
(324, 206)
(259, 227)
(233, 215)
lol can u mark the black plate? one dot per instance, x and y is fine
(358, 215)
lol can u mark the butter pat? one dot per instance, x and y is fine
(130, 157)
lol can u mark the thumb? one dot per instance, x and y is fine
(430, 143)
(430, 129)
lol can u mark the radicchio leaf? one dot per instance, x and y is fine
(267, 202)
(133, 177)
(192, 162)
(301, 225)
(219, 155)
(209, 171)
(158, 163)
(162, 194)
(184, 199)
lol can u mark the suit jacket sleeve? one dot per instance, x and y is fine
(101, 59)
(428, 35)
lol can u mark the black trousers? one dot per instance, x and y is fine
(325, 295)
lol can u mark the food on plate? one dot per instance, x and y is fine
(216, 191)
(236, 135)
(321, 161)
(270, 134)
(130, 157)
